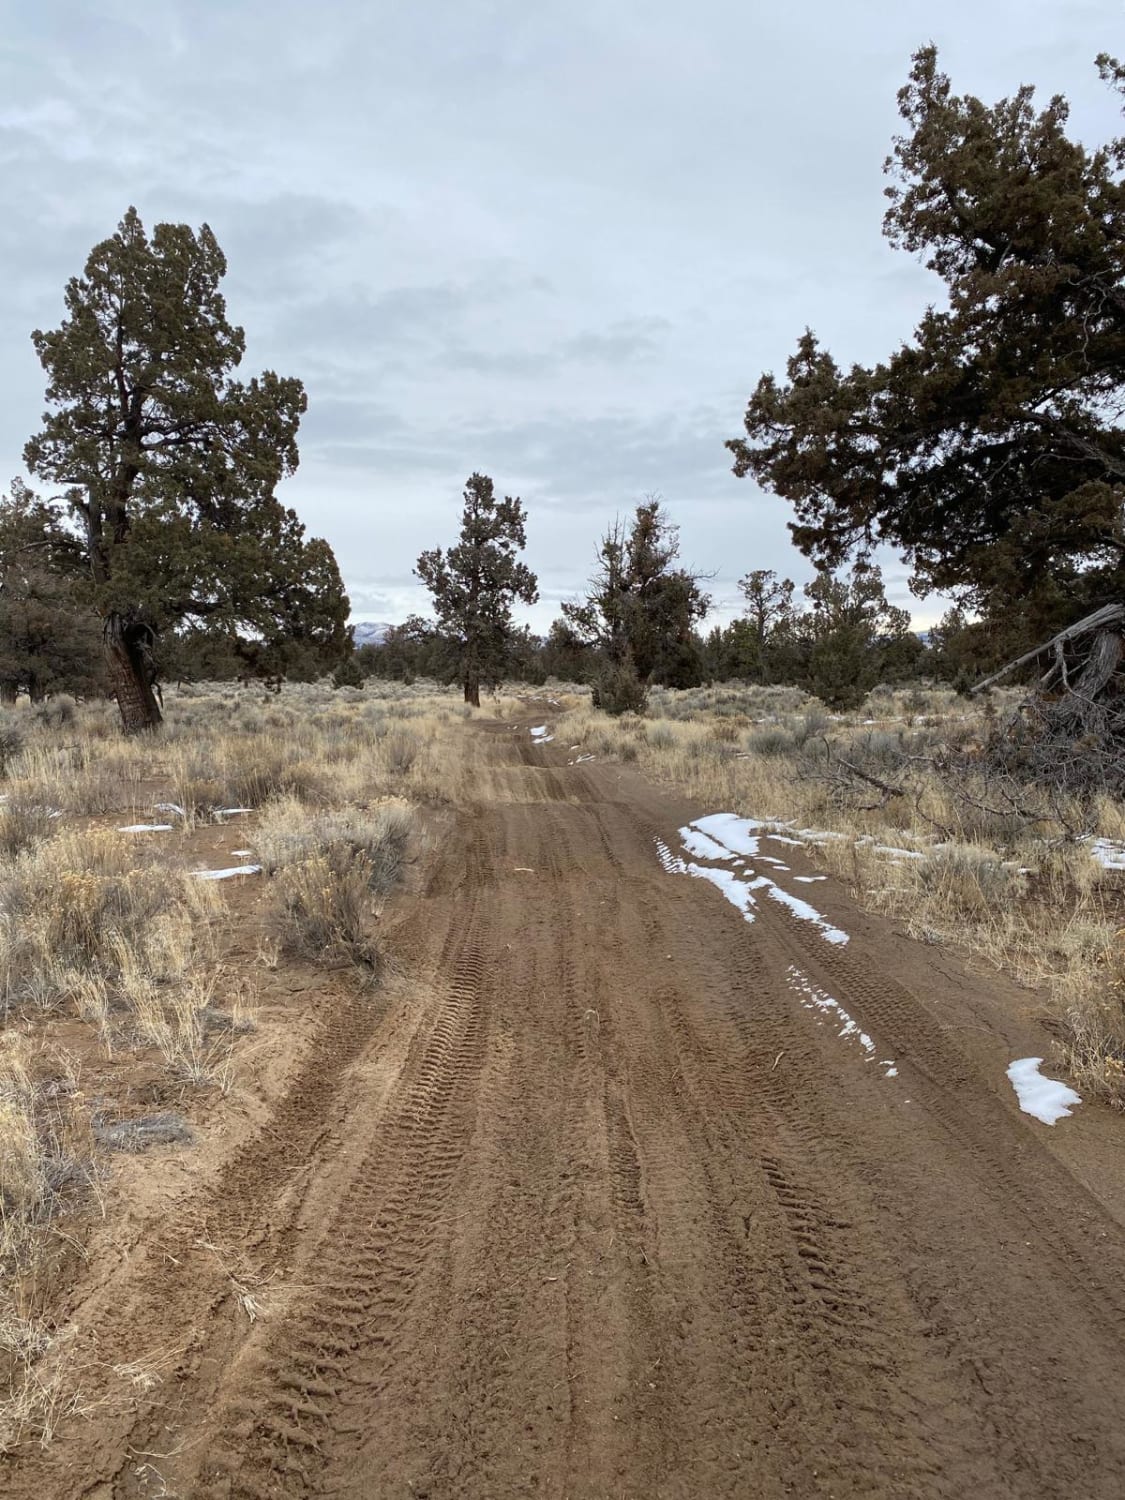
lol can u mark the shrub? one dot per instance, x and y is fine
(321, 908)
(328, 867)
(22, 825)
(400, 749)
(771, 742)
(11, 742)
(290, 833)
(56, 713)
(618, 690)
(348, 673)
(77, 909)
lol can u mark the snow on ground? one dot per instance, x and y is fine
(736, 891)
(701, 846)
(726, 837)
(1108, 853)
(800, 909)
(230, 812)
(809, 879)
(739, 835)
(1045, 1098)
(813, 998)
(226, 874)
(146, 828)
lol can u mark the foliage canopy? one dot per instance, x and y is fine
(167, 465)
(988, 448)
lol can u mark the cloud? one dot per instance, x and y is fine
(557, 242)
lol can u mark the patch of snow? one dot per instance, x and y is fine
(800, 909)
(897, 853)
(226, 874)
(169, 807)
(146, 828)
(230, 812)
(809, 879)
(813, 998)
(1045, 1098)
(671, 862)
(538, 730)
(736, 891)
(242, 853)
(701, 846)
(779, 838)
(1108, 853)
(739, 835)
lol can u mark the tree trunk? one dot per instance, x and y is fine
(472, 689)
(129, 676)
(9, 691)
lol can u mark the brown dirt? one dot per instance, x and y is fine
(585, 1204)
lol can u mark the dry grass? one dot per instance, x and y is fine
(329, 869)
(114, 929)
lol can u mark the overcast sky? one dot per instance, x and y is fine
(554, 240)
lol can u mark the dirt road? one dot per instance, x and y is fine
(596, 1202)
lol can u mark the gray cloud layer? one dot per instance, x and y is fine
(555, 242)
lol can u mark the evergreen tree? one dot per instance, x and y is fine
(168, 465)
(475, 583)
(49, 641)
(641, 609)
(988, 448)
(853, 633)
(769, 613)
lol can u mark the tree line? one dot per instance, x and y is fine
(988, 450)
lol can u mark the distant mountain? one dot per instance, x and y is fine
(370, 632)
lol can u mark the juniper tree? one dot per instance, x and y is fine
(48, 637)
(989, 446)
(769, 612)
(167, 465)
(852, 632)
(641, 609)
(475, 583)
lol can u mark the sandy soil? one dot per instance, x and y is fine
(586, 1204)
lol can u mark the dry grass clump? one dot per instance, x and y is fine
(399, 750)
(46, 1161)
(81, 921)
(46, 1150)
(329, 868)
(23, 824)
(1094, 1012)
